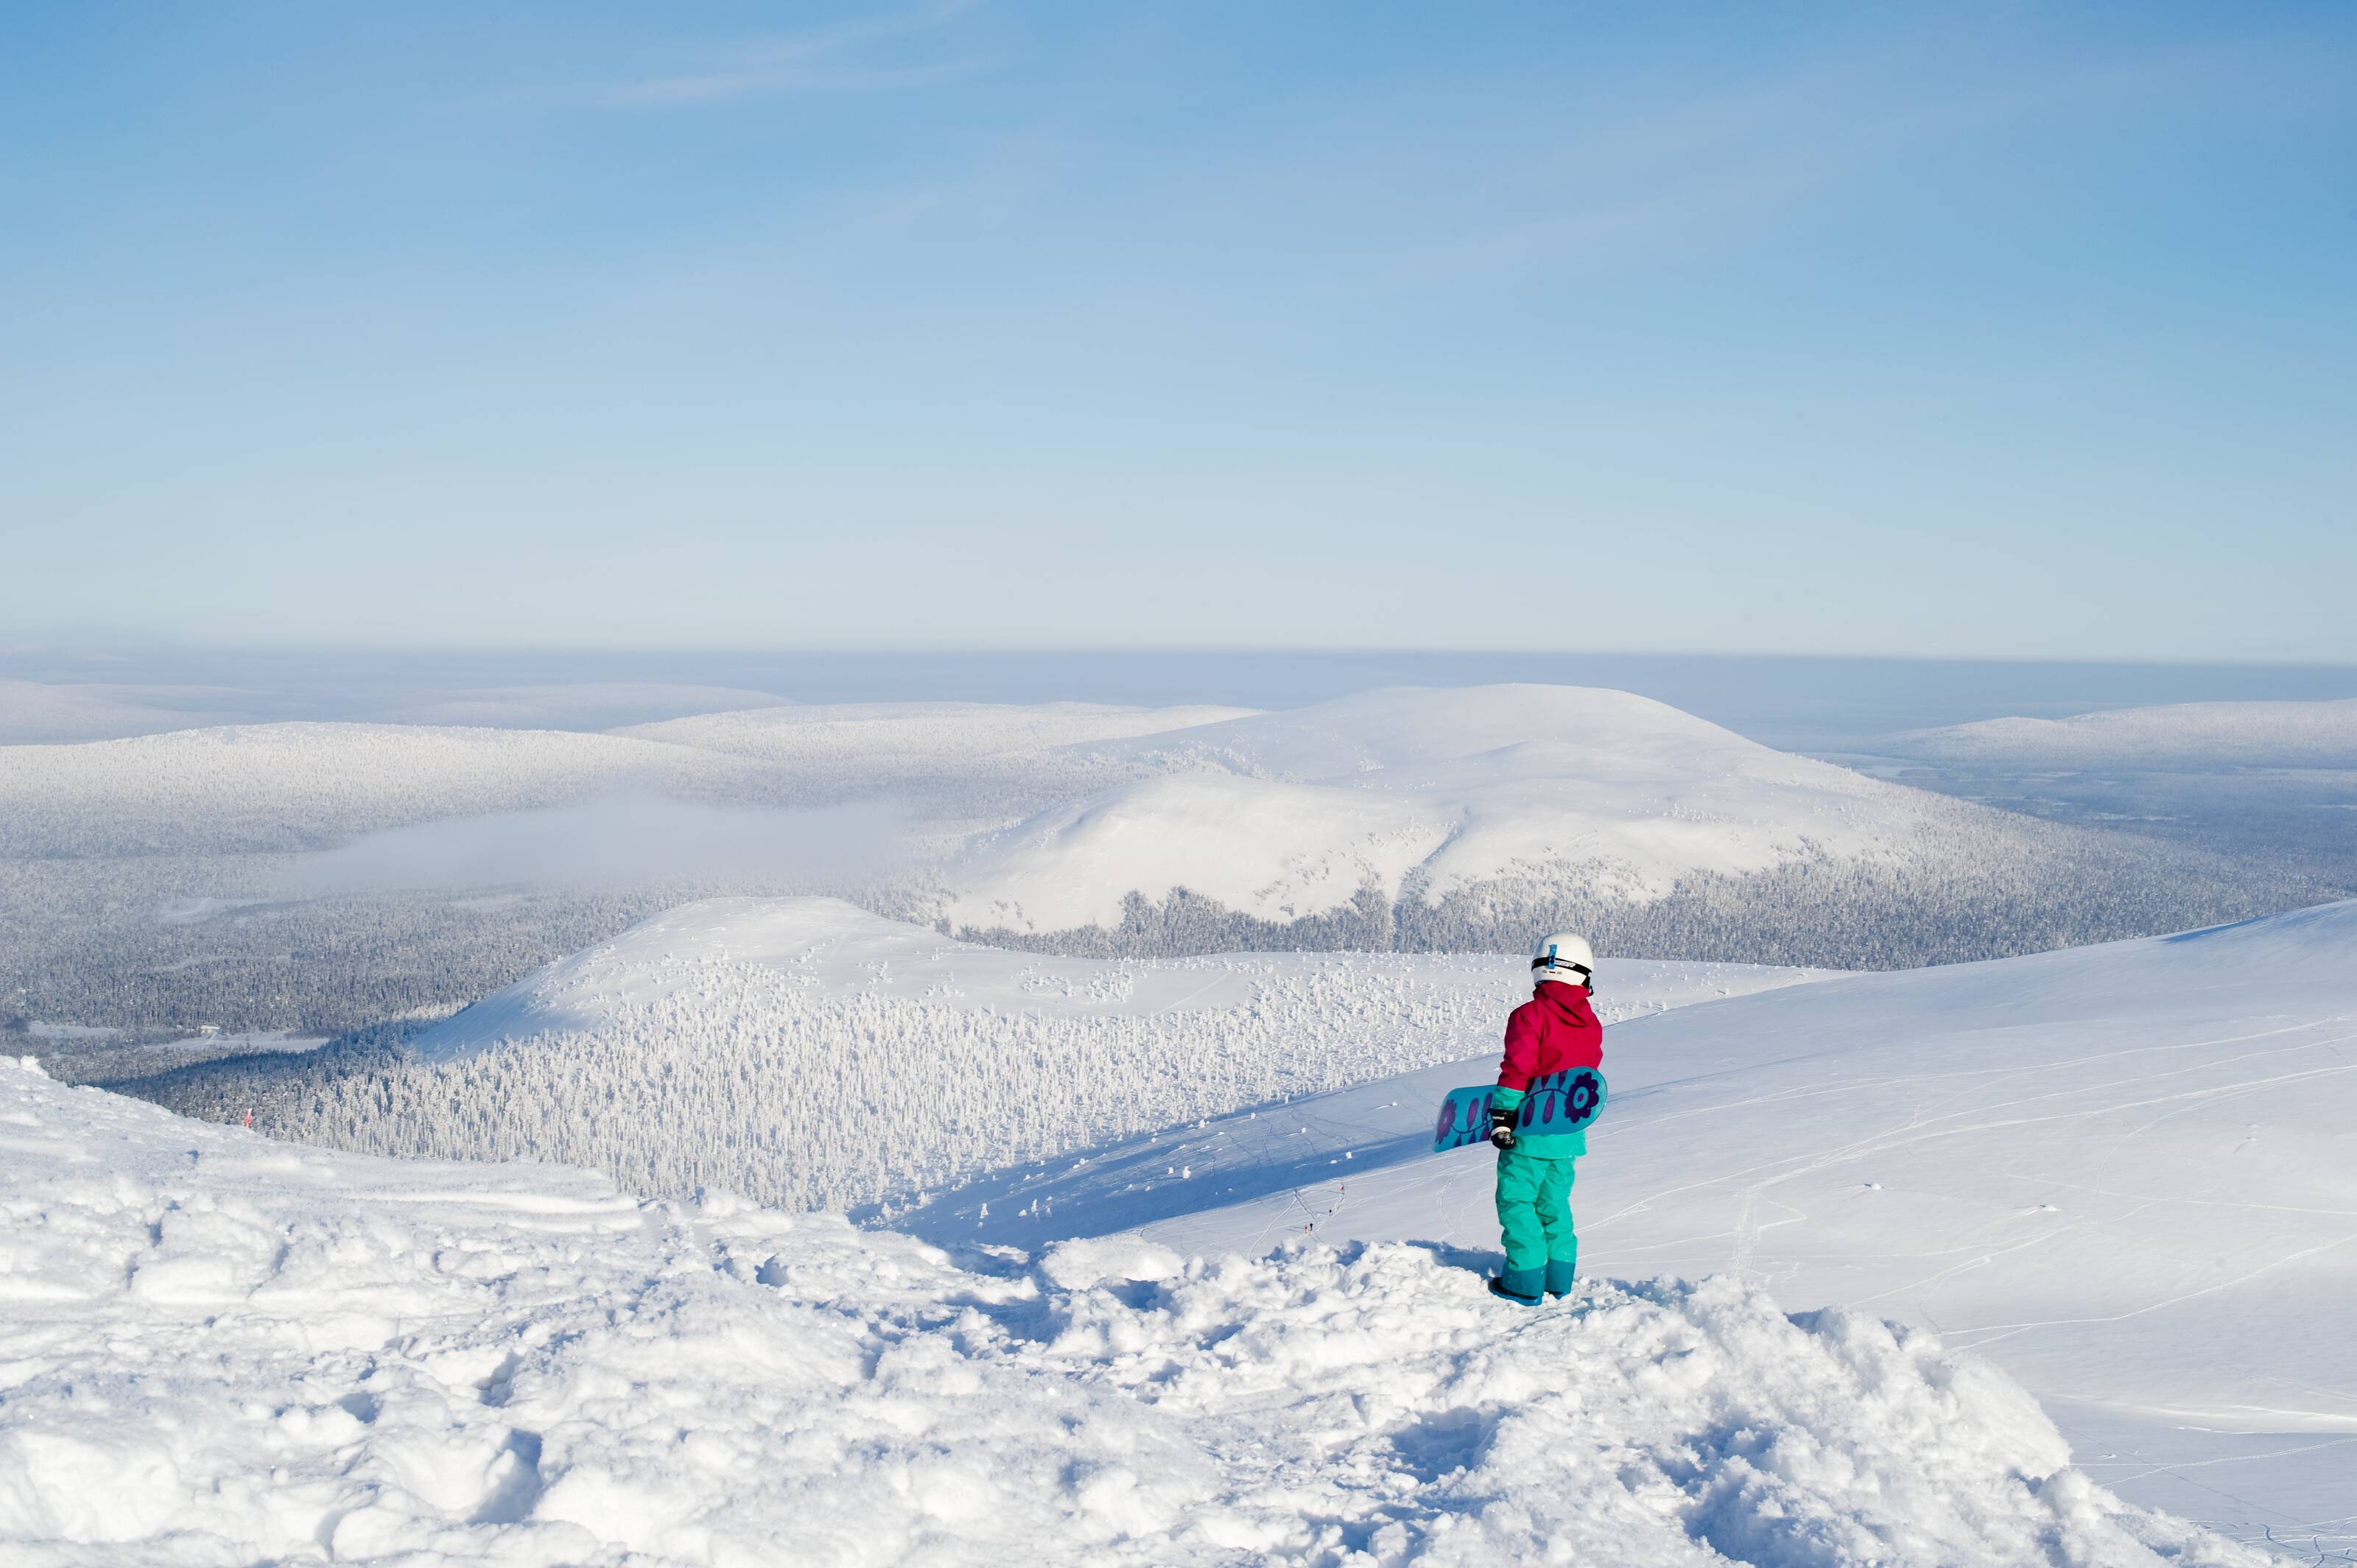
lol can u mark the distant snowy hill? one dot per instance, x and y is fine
(843, 736)
(811, 1053)
(962, 764)
(282, 786)
(35, 711)
(2126, 1173)
(1425, 820)
(258, 787)
(1467, 819)
(221, 1351)
(1283, 815)
(2188, 734)
(596, 705)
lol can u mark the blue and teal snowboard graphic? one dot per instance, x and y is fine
(1562, 1101)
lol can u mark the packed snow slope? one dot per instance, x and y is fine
(219, 1350)
(2127, 1174)
(811, 1053)
(2181, 736)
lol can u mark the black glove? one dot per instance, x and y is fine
(1501, 1127)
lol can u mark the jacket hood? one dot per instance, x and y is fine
(1568, 1001)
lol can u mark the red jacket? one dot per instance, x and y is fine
(1553, 1030)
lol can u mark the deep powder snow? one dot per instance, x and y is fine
(218, 1349)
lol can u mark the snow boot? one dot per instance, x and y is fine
(1519, 1286)
(1559, 1277)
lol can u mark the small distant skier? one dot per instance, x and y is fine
(1555, 1030)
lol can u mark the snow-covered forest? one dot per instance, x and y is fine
(748, 1044)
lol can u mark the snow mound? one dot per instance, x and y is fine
(221, 1350)
(2177, 736)
(813, 1055)
(1289, 814)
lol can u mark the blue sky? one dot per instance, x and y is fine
(2011, 329)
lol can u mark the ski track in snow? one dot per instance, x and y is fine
(221, 1350)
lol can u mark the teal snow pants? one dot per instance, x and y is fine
(1534, 1212)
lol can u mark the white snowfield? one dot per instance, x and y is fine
(815, 1055)
(1287, 814)
(218, 1350)
(2180, 736)
(2127, 1174)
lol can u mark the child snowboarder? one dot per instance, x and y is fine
(1555, 1029)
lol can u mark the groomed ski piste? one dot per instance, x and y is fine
(218, 1349)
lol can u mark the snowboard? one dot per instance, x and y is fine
(1562, 1101)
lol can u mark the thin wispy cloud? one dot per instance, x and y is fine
(1662, 176)
(839, 60)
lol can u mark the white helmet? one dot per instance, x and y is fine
(1562, 958)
